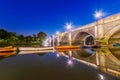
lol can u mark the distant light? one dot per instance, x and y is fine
(99, 14)
(68, 26)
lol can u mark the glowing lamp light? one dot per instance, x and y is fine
(68, 26)
(98, 14)
(57, 32)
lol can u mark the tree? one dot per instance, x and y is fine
(12, 33)
(28, 39)
(42, 37)
(21, 37)
(12, 40)
(21, 40)
(34, 37)
(3, 34)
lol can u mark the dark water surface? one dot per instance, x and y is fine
(47, 66)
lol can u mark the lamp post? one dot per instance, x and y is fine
(58, 38)
(68, 27)
(98, 14)
(50, 40)
(53, 42)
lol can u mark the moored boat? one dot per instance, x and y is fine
(12, 49)
(6, 54)
(60, 50)
(67, 47)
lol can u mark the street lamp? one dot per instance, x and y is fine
(98, 14)
(68, 27)
(58, 38)
(53, 42)
(50, 40)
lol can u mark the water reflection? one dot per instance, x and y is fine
(115, 52)
(70, 61)
(42, 66)
(101, 77)
(57, 55)
(41, 54)
(84, 53)
(7, 54)
(88, 53)
(107, 59)
(1, 57)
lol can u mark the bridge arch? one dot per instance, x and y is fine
(110, 34)
(83, 38)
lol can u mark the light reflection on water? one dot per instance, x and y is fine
(49, 66)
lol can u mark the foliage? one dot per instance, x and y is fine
(4, 34)
(11, 38)
(41, 37)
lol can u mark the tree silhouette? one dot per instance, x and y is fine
(41, 37)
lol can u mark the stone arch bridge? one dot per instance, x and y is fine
(104, 31)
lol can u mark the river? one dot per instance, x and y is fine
(51, 66)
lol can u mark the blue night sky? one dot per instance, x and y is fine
(32, 16)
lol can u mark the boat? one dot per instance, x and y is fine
(67, 47)
(6, 49)
(61, 50)
(6, 54)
